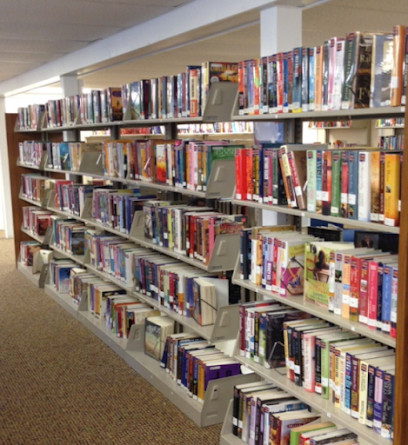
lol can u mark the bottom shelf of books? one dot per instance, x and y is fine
(146, 348)
(325, 409)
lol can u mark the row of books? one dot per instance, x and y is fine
(396, 142)
(115, 208)
(96, 106)
(27, 251)
(108, 302)
(265, 415)
(181, 95)
(34, 186)
(36, 220)
(68, 155)
(59, 274)
(68, 235)
(328, 124)
(31, 153)
(30, 117)
(187, 230)
(216, 127)
(183, 289)
(362, 185)
(183, 164)
(344, 368)
(193, 362)
(390, 122)
(360, 284)
(359, 71)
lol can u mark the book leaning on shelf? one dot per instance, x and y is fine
(36, 220)
(30, 153)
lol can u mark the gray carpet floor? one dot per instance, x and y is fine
(59, 384)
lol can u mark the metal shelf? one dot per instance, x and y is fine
(361, 113)
(299, 303)
(316, 402)
(30, 201)
(304, 213)
(31, 167)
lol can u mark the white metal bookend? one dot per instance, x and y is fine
(135, 341)
(220, 101)
(87, 210)
(137, 228)
(226, 324)
(225, 252)
(221, 183)
(91, 163)
(218, 396)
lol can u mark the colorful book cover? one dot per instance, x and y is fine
(305, 80)
(326, 182)
(319, 174)
(392, 178)
(311, 180)
(311, 83)
(335, 208)
(292, 268)
(375, 187)
(353, 182)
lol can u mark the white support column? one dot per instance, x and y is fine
(70, 85)
(281, 30)
(6, 211)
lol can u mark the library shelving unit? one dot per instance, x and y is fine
(366, 435)
(225, 329)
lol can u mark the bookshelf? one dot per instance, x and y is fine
(223, 333)
(131, 351)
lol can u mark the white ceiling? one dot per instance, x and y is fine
(33, 32)
(49, 29)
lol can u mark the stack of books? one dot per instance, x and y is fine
(35, 220)
(30, 153)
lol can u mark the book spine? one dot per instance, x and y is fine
(388, 406)
(372, 294)
(363, 385)
(326, 182)
(335, 209)
(325, 75)
(378, 400)
(338, 74)
(364, 186)
(324, 353)
(380, 274)
(392, 189)
(394, 296)
(279, 83)
(363, 297)
(349, 70)
(375, 187)
(311, 81)
(318, 78)
(382, 185)
(370, 396)
(386, 299)
(346, 283)
(353, 185)
(355, 391)
(311, 180)
(347, 383)
(318, 375)
(319, 180)
(300, 199)
(396, 74)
